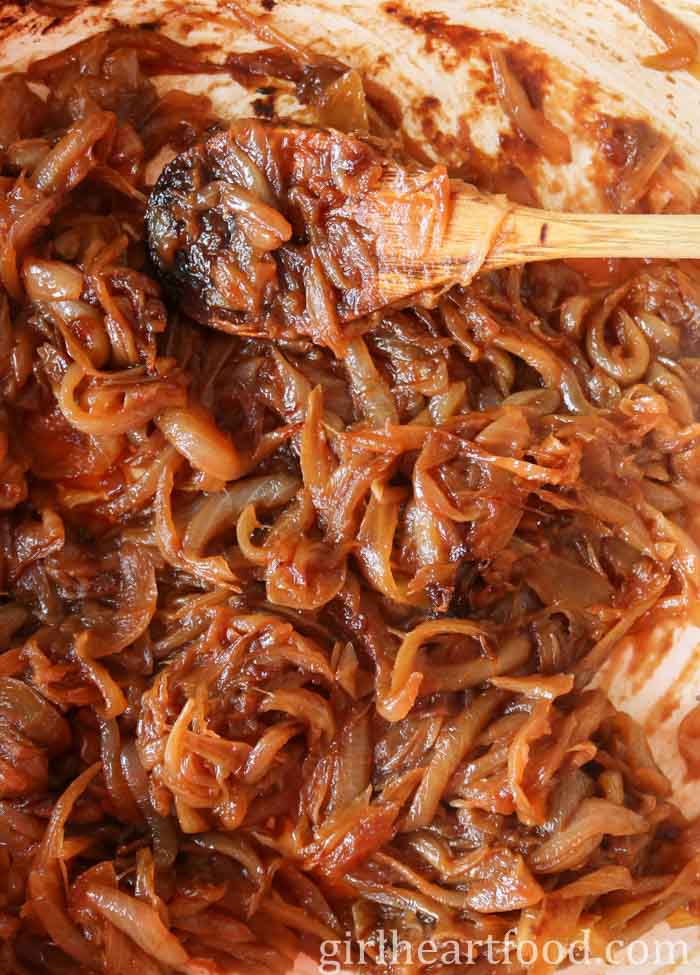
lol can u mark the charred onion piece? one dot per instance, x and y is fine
(245, 229)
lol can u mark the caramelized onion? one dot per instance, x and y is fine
(72, 157)
(215, 569)
(193, 434)
(51, 281)
(222, 509)
(405, 682)
(47, 902)
(455, 740)
(567, 848)
(162, 829)
(367, 385)
(140, 922)
(52, 846)
(532, 123)
(300, 613)
(28, 711)
(110, 423)
(682, 48)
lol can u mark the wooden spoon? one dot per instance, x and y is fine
(421, 229)
(483, 233)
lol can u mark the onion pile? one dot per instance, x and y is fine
(299, 626)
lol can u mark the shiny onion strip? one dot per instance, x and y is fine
(215, 569)
(152, 400)
(140, 922)
(193, 435)
(681, 45)
(405, 682)
(531, 122)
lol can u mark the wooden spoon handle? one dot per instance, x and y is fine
(487, 232)
(541, 235)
